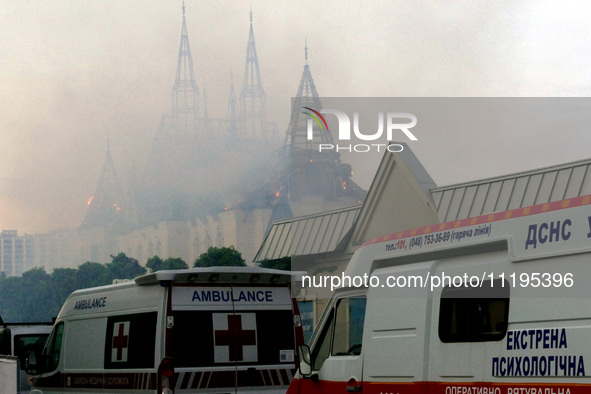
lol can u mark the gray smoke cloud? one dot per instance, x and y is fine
(76, 75)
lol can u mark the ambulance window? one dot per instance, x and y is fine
(476, 314)
(342, 333)
(51, 353)
(224, 338)
(130, 341)
(348, 331)
(322, 349)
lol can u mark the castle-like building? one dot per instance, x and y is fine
(207, 181)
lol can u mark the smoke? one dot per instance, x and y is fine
(79, 75)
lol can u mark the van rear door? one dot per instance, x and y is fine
(233, 337)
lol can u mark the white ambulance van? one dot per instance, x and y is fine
(217, 330)
(16, 341)
(495, 304)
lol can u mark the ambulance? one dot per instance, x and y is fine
(495, 304)
(210, 330)
(16, 340)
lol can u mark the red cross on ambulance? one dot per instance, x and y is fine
(120, 342)
(235, 337)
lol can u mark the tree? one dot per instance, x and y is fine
(92, 274)
(11, 294)
(220, 257)
(154, 264)
(157, 264)
(123, 267)
(36, 294)
(63, 283)
(284, 263)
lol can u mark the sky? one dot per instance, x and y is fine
(78, 75)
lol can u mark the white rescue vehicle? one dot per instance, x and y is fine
(16, 341)
(495, 304)
(222, 330)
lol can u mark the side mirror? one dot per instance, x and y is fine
(33, 364)
(305, 361)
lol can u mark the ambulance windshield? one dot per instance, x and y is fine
(256, 337)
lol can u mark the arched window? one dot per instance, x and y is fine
(219, 239)
(150, 249)
(159, 248)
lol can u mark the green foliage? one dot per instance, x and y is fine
(283, 263)
(220, 257)
(92, 274)
(63, 283)
(30, 294)
(38, 297)
(11, 301)
(157, 264)
(123, 267)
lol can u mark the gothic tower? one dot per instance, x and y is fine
(196, 166)
(306, 97)
(318, 181)
(252, 96)
(107, 207)
(167, 187)
(185, 93)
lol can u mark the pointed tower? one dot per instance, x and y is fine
(106, 206)
(185, 93)
(306, 97)
(252, 96)
(317, 181)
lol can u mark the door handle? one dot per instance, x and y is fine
(353, 386)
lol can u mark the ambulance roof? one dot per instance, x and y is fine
(543, 230)
(219, 275)
(486, 219)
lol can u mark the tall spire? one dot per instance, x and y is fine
(252, 95)
(307, 96)
(314, 178)
(185, 93)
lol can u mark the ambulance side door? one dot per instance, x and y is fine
(337, 352)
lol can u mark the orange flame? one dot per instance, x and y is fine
(343, 183)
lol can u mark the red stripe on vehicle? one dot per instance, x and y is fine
(269, 378)
(487, 218)
(185, 380)
(303, 386)
(285, 378)
(197, 379)
(205, 380)
(222, 379)
(122, 381)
